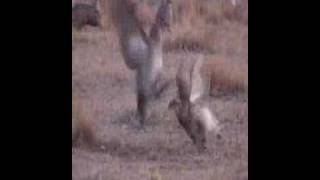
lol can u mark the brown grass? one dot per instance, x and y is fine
(83, 130)
(188, 12)
(105, 96)
(225, 76)
(197, 24)
(189, 39)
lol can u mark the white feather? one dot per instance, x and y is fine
(197, 88)
(208, 119)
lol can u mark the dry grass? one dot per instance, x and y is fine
(225, 76)
(188, 12)
(104, 92)
(83, 129)
(212, 19)
(188, 39)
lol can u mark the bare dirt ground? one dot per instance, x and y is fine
(106, 90)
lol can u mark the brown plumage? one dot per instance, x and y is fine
(190, 108)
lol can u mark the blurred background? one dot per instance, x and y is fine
(105, 144)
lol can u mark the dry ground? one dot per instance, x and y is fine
(105, 90)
